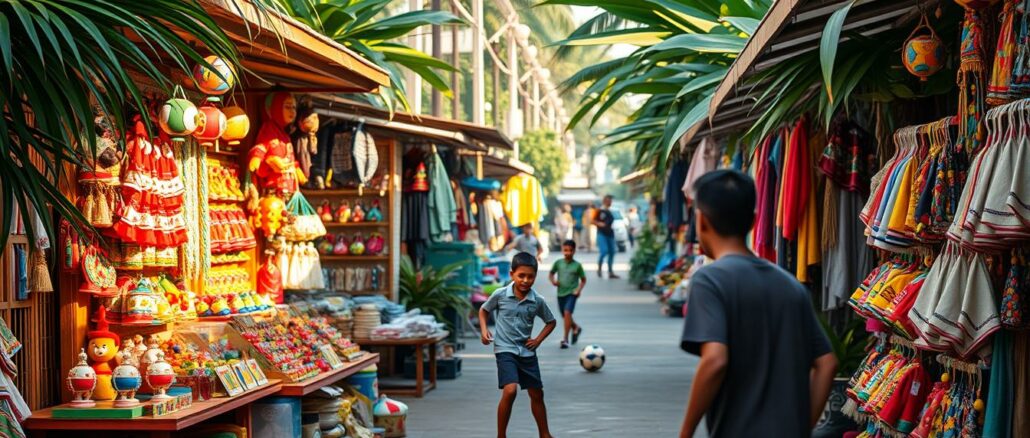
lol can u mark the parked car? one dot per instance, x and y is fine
(620, 226)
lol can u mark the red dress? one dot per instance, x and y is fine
(152, 192)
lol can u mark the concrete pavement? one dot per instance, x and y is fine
(641, 391)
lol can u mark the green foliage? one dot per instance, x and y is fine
(542, 150)
(685, 49)
(645, 259)
(63, 62)
(430, 291)
(366, 27)
(849, 344)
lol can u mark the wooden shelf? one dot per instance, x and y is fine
(370, 193)
(407, 341)
(308, 386)
(352, 293)
(200, 411)
(356, 224)
(353, 258)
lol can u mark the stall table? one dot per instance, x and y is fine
(42, 421)
(308, 386)
(419, 388)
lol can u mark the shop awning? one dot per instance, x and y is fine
(483, 136)
(504, 168)
(790, 28)
(414, 132)
(636, 176)
(278, 51)
(577, 196)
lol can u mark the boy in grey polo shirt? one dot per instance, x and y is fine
(514, 308)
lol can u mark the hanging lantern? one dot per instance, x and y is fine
(215, 81)
(179, 117)
(923, 55)
(975, 4)
(237, 125)
(213, 127)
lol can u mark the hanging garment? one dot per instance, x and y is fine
(1021, 379)
(705, 159)
(845, 263)
(152, 191)
(443, 210)
(999, 410)
(848, 156)
(521, 197)
(797, 180)
(674, 204)
(999, 89)
(414, 226)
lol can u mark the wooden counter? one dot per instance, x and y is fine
(308, 386)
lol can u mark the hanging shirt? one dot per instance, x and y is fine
(522, 198)
(673, 208)
(443, 210)
(706, 157)
(797, 183)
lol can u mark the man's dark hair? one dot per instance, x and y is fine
(607, 197)
(727, 199)
(523, 259)
(569, 242)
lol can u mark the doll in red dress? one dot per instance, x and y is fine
(271, 157)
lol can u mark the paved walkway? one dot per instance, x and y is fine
(641, 391)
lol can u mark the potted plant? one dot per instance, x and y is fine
(428, 289)
(645, 260)
(850, 345)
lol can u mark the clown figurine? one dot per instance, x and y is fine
(102, 349)
(271, 157)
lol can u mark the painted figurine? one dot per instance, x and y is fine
(82, 380)
(102, 349)
(271, 158)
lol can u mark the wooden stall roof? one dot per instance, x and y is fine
(477, 137)
(501, 168)
(790, 28)
(278, 51)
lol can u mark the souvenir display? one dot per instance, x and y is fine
(923, 55)
(213, 127)
(237, 125)
(126, 380)
(889, 389)
(270, 215)
(283, 354)
(305, 137)
(82, 380)
(354, 279)
(223, 181)
(231, 232)
(420, 182)
(271, 158)
(160, 376)
(375, 244)
(305, 224)
(98, 276)
(365, 152)
(100, 178)
(153, 193)
(374, 214)
(179, 117)
(102, 349)
(216, 79)
(299, 263)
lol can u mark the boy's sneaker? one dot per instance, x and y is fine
(564, 345)
(575, 334)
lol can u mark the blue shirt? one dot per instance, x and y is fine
(513, 319)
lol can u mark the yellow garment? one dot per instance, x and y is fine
(900, 210)
(885, 296)
(522, 197)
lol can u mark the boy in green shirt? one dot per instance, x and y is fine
(568, 275)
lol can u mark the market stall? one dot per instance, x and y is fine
(175, 311)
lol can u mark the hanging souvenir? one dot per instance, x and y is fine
(999, 89)
(215, 80)
(1013, 297)
(100, 177)
(421, 183)
(305, 224)
(237, 125)
(972, 85)
(366, 155)
(97, 274)
(269, 217)
(179, 117)
(213, 126)
(305, 137)
(923, 55)
(271, 159)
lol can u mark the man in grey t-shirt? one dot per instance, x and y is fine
(766, 365)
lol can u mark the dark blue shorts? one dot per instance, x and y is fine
(567, 303)
(512, 368)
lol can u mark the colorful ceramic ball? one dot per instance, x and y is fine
(216, 81)
(214, 124)
(237, 125)
(923, 56)
(179, 117)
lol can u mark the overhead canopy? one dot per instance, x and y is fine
(503, 168)
(790, 28)
(577, 196)
(401, 129)
(483, 136)
(278, 51)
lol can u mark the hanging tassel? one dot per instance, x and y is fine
(39, 278)
(89, 204)
(103, 208)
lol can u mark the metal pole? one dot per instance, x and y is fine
(436, 106)
(478, 82)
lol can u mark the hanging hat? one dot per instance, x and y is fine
(102, 330)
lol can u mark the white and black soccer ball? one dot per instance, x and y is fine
(591, 358)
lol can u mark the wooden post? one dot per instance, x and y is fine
(478, 89)
(436, 105)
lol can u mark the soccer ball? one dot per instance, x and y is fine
(592, 357)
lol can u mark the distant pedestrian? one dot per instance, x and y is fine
(570, 278)
(589, 229)
(603, 220)
(515, 307)
(766, 366)
(633, 217)
(526, 242)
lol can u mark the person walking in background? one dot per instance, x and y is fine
(634, 224)
(526, 242)
(589, 230)
(603, 220)
(766, 365)
(563, 224)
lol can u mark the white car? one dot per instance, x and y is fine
(620, 226)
